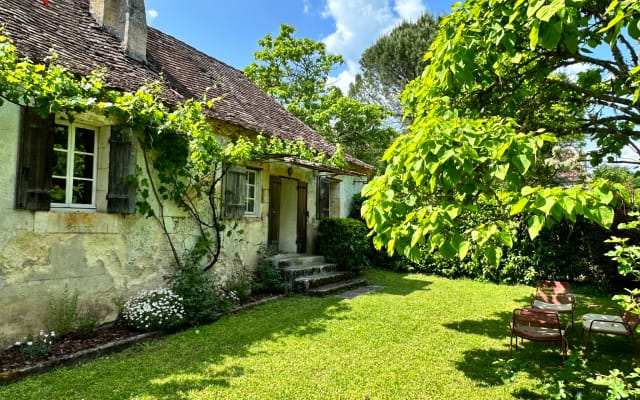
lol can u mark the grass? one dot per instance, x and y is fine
(421, 337)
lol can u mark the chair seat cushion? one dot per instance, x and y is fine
(611, 324)
(559, 308)
(539, 333)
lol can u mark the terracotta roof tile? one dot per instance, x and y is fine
(68, 27)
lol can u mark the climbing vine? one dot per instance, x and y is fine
(185, 157)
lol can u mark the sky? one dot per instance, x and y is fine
(230, 30)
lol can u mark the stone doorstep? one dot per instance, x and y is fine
(9, 377)
(333, 288)
(293, 272)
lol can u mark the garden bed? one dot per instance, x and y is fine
(71, 349)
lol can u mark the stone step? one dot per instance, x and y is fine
(296, 271)
(293, 259)
(336, 287)
(303, 284)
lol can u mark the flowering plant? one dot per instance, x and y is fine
(38, 347)
(152, 310)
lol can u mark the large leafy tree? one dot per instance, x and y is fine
(295, 72)
(393, 61)
(485, 109)
(513, 58)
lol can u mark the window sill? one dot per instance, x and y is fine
(76, 221)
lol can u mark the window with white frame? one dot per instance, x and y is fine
(75, 164)
(241, 193)
(250, 198)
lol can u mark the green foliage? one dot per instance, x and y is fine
(197, 289)
(508, 59)
(152, 310)
(457, 186)
(295, 71)
(267, 277)
(240, 282)
(89, 317)
(35, 348)
(63, 311)
(620, 386)
(343, 241)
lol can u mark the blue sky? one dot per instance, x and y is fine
(230, 30)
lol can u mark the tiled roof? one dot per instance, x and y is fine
(82, 45)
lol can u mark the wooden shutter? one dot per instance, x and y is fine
(322, 197)
(35, 161)
(121, 195)
(275, 186)
(234, 191)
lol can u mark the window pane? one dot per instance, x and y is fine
(61, 137)
(251, 192)
(251, 178)
(58, 190)
(250, 205)
(82, 191)
(60, 167)
(83, 166)
(84, 140)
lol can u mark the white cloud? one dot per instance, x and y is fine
(307, 7)
(359, 24)
(345, 77)
(410, 10)
(152, 14)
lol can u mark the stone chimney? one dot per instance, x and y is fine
(127, 21)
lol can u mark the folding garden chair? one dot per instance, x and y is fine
(539, 326)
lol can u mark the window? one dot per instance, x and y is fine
(74, 170)
(57, 164)
(241, 193)
(251, 193)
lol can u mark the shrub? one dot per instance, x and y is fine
(199, 293)
(151, 310)
(89, 316)
(344, 241)
(267, 277)
(240, 283)
(62, 312)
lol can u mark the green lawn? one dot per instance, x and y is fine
(421, 337)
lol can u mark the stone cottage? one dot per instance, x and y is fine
(53, 235)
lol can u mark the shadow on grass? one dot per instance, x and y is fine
(398, 284)
(175, 367)
(497, 328)
(543, 361)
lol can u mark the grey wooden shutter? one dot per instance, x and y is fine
(322, 197)
(35, 161)
(234, 193)
(121, 195)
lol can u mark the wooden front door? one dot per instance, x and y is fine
(301, 237)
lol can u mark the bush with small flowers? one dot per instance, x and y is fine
(152, 310)
(38, 347)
